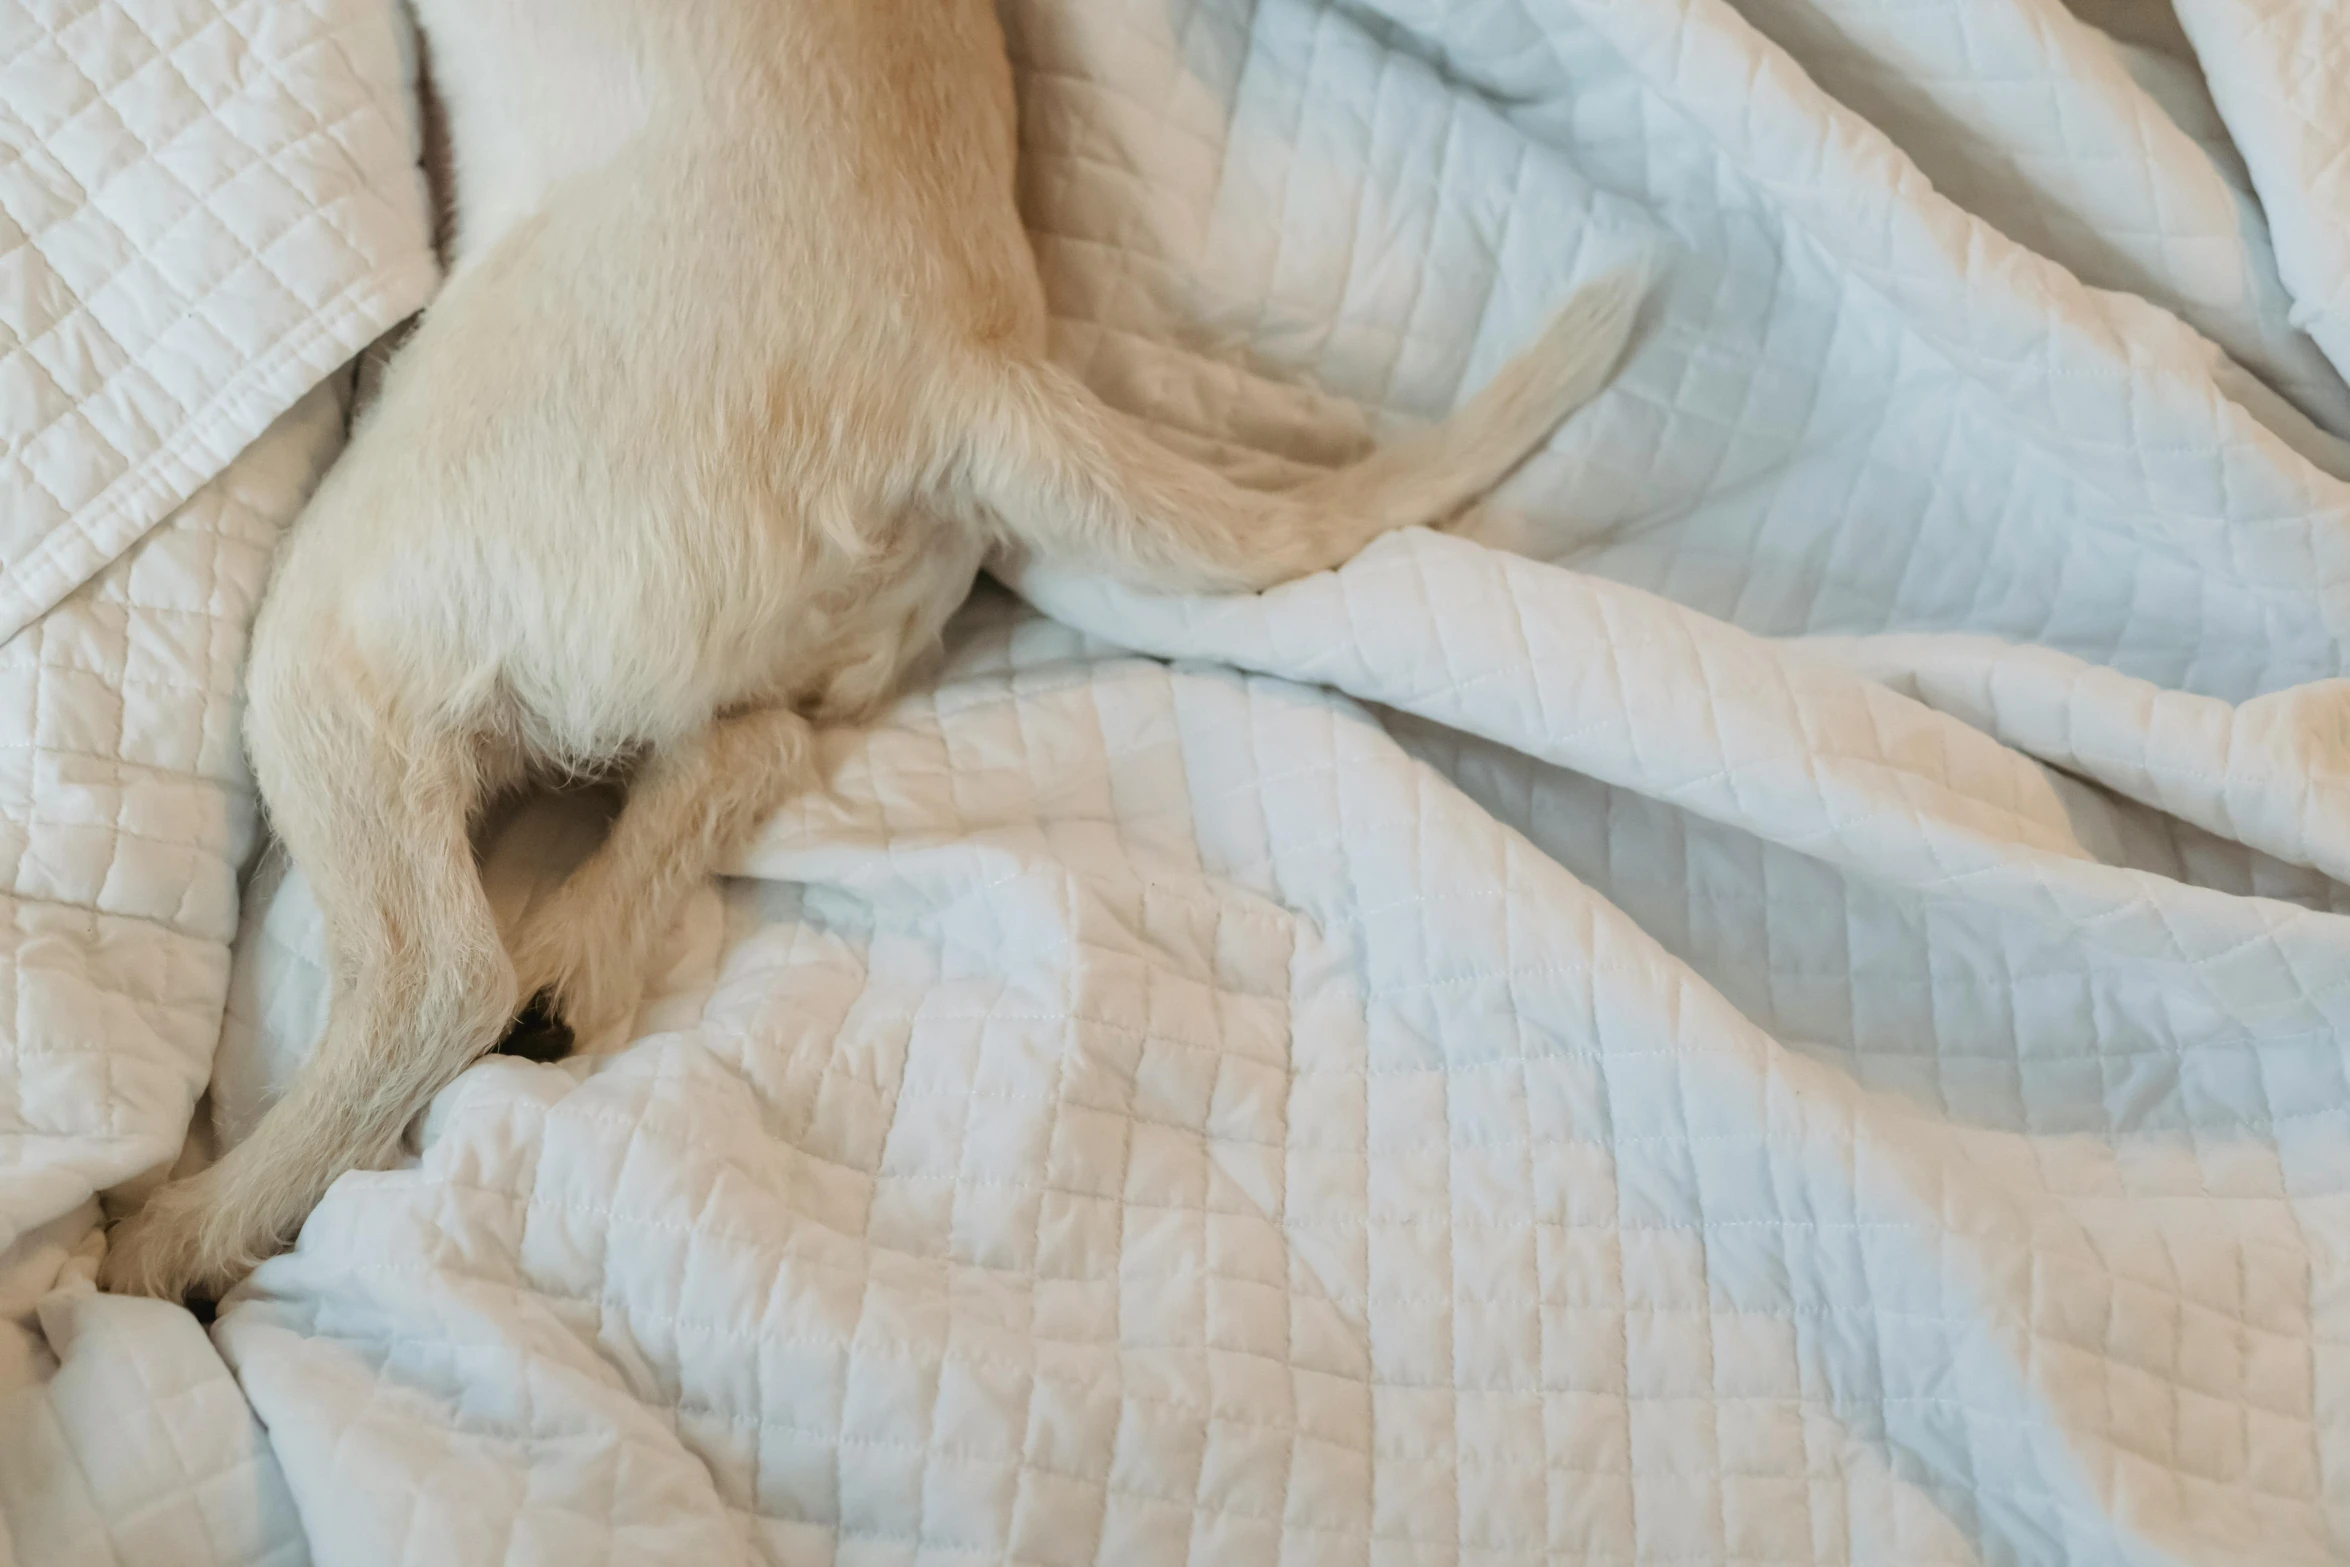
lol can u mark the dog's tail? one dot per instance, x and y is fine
(375, 810)
(1061, 471)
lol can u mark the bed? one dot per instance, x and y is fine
(1783, 1001)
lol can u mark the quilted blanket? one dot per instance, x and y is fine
(206, 209)
(1784, 1002)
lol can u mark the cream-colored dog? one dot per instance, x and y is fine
(739, 375)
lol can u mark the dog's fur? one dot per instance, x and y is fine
(738, 376)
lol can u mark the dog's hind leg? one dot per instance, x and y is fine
(583, 952)
(376, 814)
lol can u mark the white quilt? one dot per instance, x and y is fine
(1813, 1027)
(205, 209)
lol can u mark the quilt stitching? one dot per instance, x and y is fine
(1452, 1058)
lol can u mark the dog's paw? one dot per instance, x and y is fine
(583, 993)
(583, 979)
(539, 1031)
(173, 1248)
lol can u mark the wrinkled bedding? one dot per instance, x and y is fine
(1782, 1002)
(205, 211)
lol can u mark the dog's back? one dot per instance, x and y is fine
(662, 432)
(876, 135)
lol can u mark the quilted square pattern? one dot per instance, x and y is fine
(1795, 1015)
(204, 209)
(124, 818)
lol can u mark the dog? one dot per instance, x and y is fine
(737, 377)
